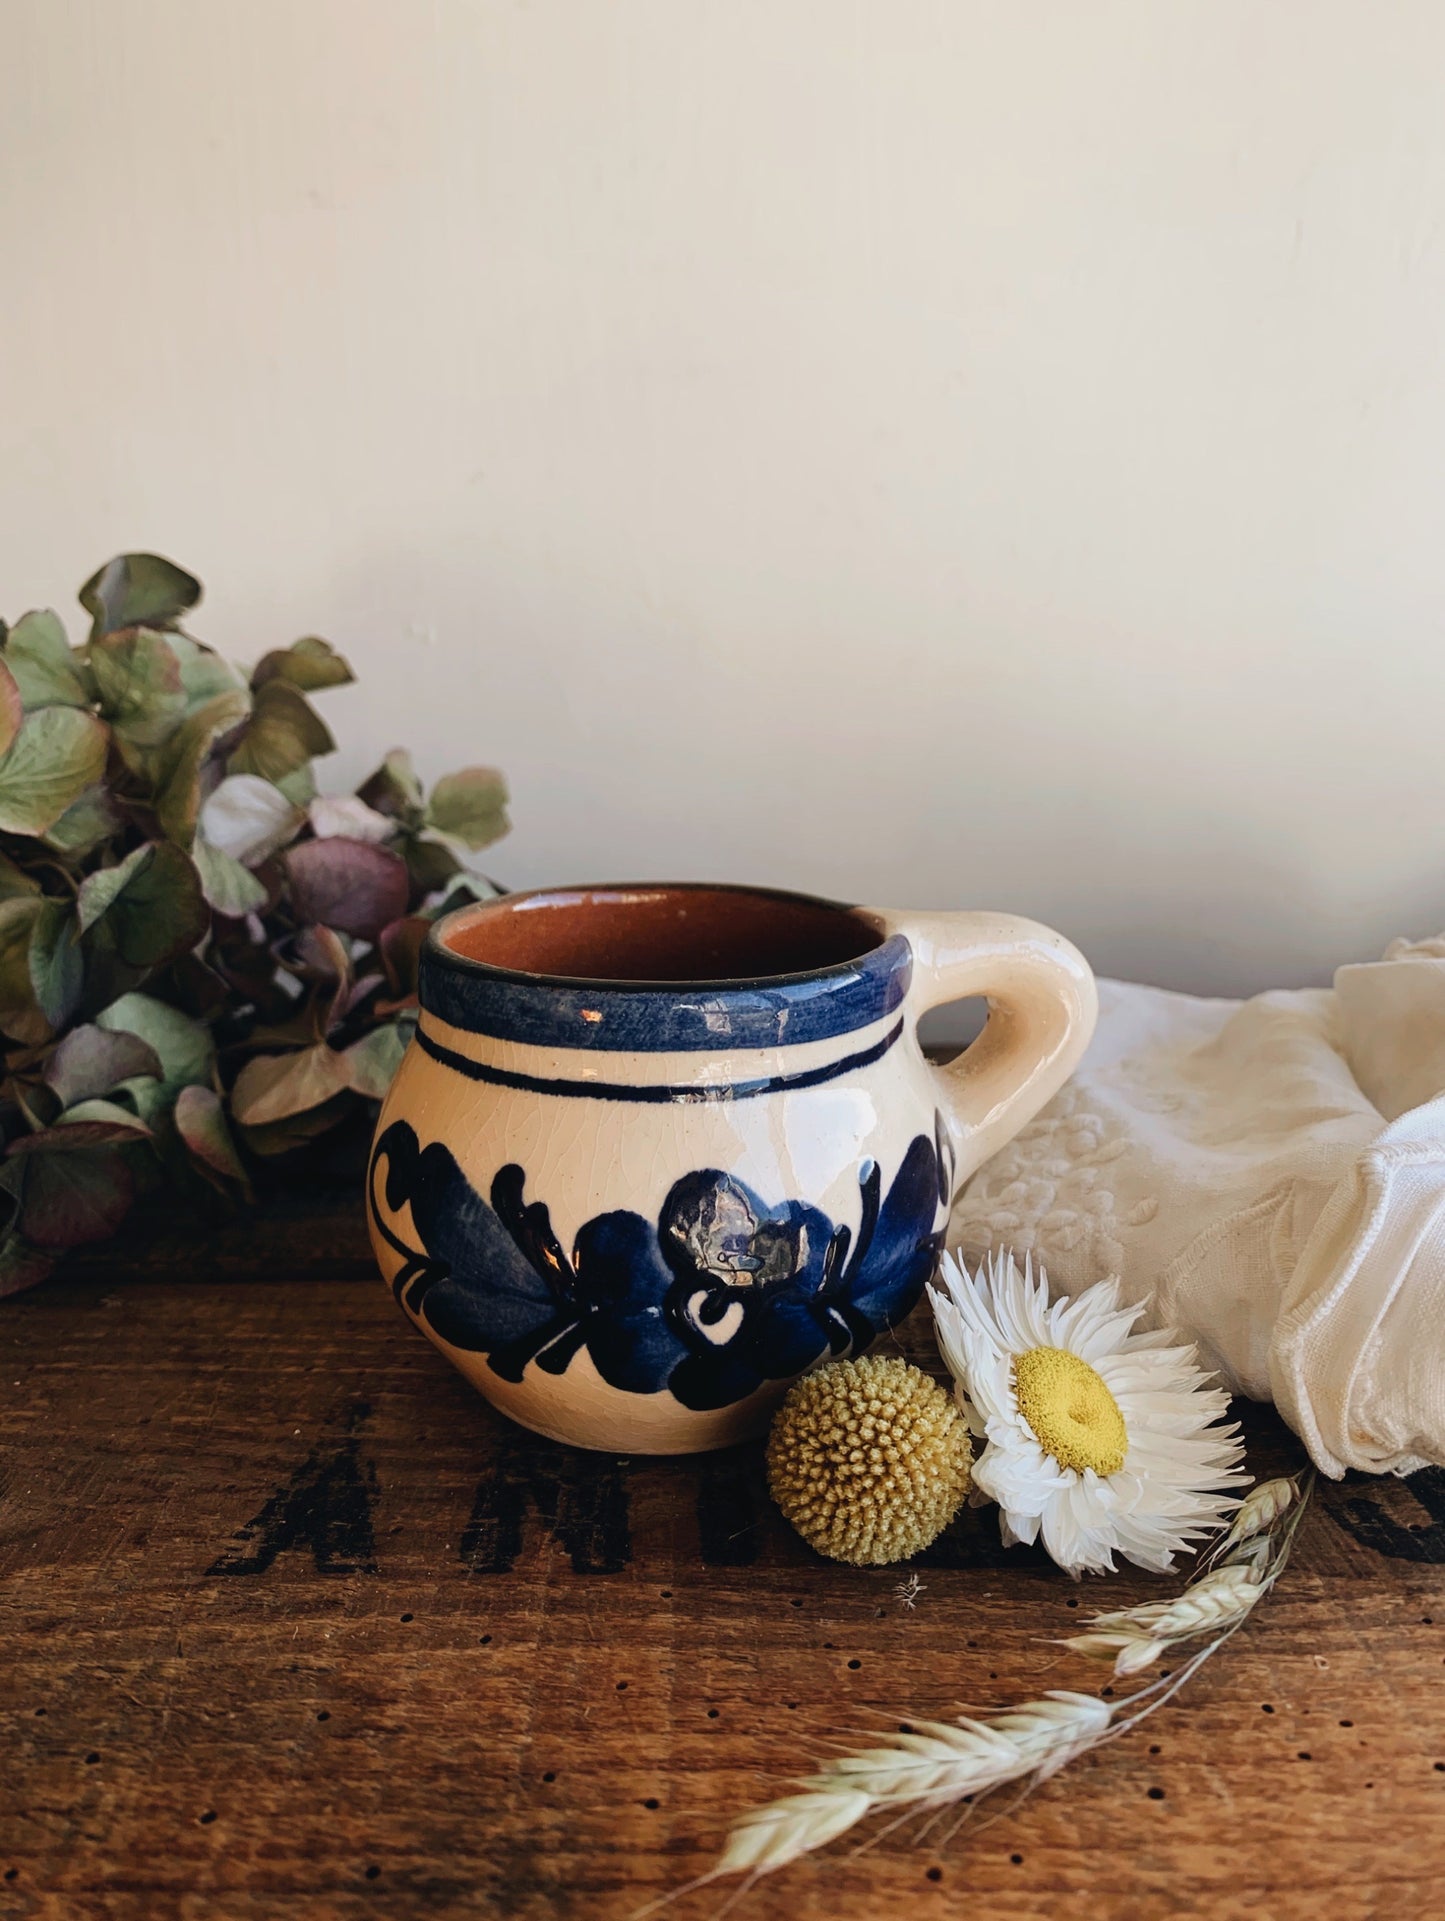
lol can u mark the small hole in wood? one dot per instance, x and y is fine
(796, 1604)
(1347, 1724)
(40, 1710)
(1440, 1767)
(550, 1776)
(712, 1714)
(1156, 1750)
(934, 1874)
(1156, 1794)
(1265, 1708)
(1017, 1860)
(667, 1594)
(1072, 1604)
(905, 1727)
(373, 1872)
(792, 1704)
(855, 1664)
(91, 1759)
(1303, 1756)
(323, 1714)
(405, 1617)
(621, 1687)
(12, 1874)
(652, 1802)
(484, 1641)
(207, 1818)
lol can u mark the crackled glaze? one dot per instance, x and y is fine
(640, 1247)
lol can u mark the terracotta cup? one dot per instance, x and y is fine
(656, 1151)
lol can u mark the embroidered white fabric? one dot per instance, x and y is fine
(1269, 1175)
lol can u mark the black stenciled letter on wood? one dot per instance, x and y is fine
(581, 1497)
(326, 1506)
(732, 1499)
(1373, 1527)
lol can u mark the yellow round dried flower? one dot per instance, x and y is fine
(869, 1460)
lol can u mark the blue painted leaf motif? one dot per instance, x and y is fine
(724, 1293)
(472, 1282)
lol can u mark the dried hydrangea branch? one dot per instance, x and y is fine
(939, 1763)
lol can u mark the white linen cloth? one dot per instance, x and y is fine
(1268, 1175)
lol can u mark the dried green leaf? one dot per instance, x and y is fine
(204, 672)
(462, 890)
(21, 1265)
(309, 664)
(57, 754)
(138, 681)
(77, 1197)
(178, 797)
(20, 1016)
(84, 825)
(125, 1123)
(57, 970)
(90, 1062)
(394, 789)
(274, 1086)
(46, 670)
(229, 888)
(12, 709)
(152, 904)
(183, 1046)
(470, 805)
(371, 1062)
(95, 1124)
(201, 1124)
(100, 891)
(14, 880)
(285, 732)
(300, 787)
(280, 1137)
(136, 590)
(432, 860)
(352, 885)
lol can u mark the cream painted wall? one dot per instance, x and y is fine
(930, 452)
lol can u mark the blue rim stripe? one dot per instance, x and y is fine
(629, 1018)
(659, 1091)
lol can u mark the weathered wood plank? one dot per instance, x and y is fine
(295, 1627)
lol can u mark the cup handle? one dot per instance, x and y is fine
(1042, 1006)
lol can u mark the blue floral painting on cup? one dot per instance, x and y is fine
(722, 1292)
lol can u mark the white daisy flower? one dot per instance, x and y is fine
(1101, 1440)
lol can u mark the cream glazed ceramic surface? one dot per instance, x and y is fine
(656, 1151)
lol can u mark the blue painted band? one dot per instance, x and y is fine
(662, 1091)
(622, 1017)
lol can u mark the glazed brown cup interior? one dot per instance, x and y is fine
(669, 933)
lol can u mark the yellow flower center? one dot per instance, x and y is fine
(1072, 1413)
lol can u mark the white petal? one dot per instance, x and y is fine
(345, 814)
(247, 818)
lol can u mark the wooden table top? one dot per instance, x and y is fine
(295, 1626)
